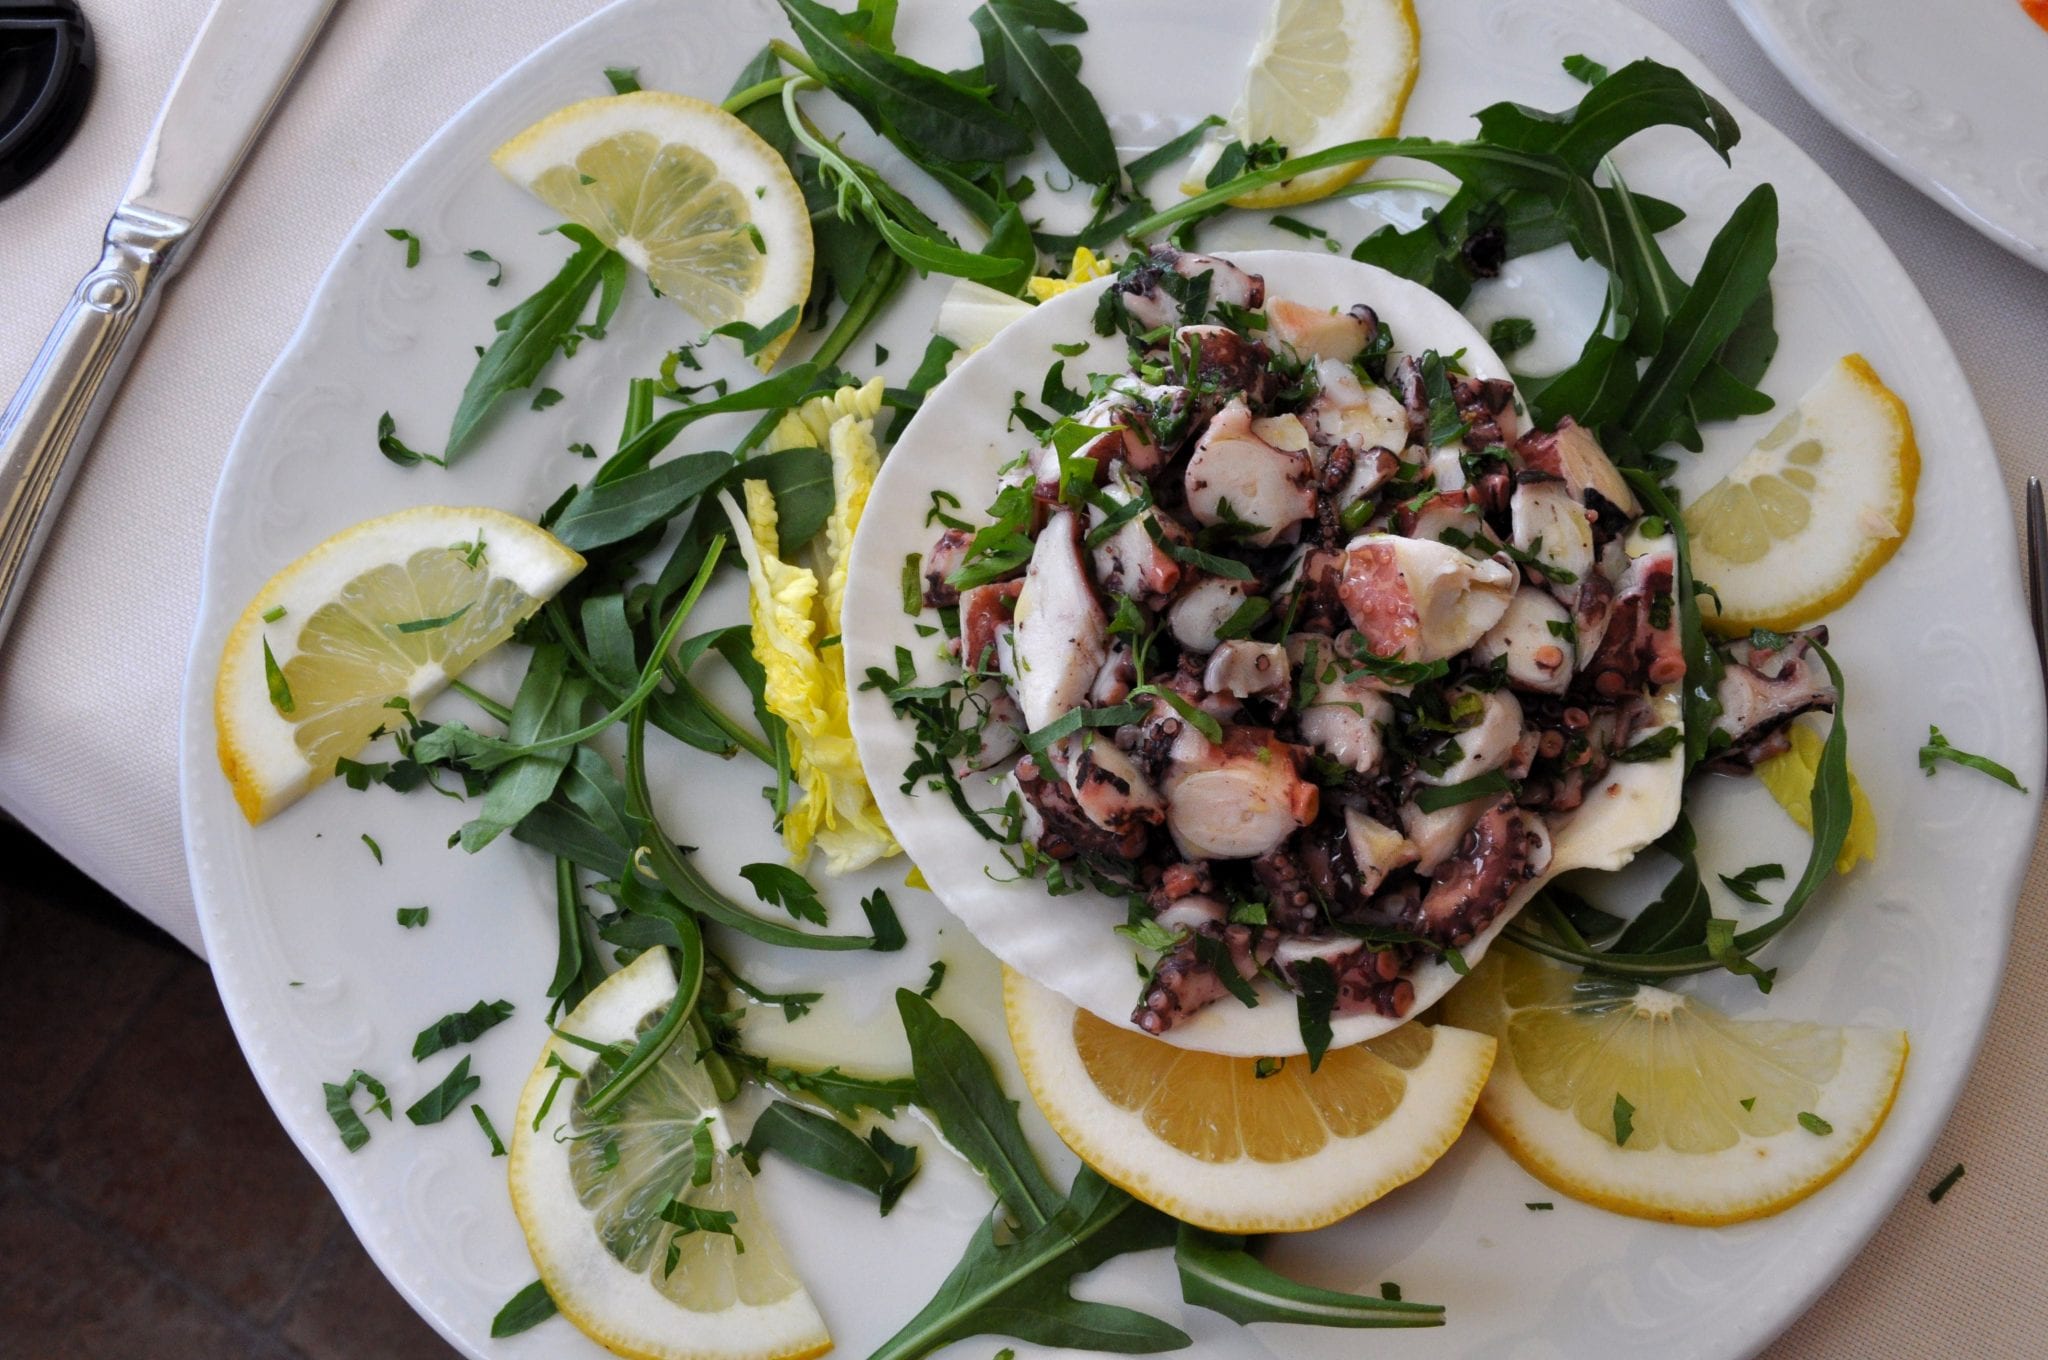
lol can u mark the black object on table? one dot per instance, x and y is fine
(46, 81)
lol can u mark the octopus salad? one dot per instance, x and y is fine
(1310, 646)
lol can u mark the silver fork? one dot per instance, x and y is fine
(2037, 569)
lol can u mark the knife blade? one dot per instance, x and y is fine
(238, 66)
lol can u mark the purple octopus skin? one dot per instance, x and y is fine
(1184, 981)
(947, 556)
(1504, 849)
(1762, 690)
(1064, 830)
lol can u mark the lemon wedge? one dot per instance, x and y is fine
(685, 191)
(589, 1195)
(1649, 1103)
(1789, 777)
(1209, 1140)
(393, 608)
(1322, 72)
(1813, 511)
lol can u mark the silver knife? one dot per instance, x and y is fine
(239, 65)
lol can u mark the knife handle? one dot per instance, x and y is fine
(60, 403)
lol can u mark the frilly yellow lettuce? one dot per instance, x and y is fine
(1084, 268)
(1790, 775)
(792, 614)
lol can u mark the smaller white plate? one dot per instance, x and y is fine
(1953, 96)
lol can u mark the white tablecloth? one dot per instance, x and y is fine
(89, 681)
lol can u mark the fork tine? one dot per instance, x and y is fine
(2037, 569)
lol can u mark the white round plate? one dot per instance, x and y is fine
(1950, 96)
(319, 979)
(957, 446)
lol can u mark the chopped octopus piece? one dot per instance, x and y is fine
(1236, 477)
(1420, 600)
(1571, 452)
(1205, 604)
(1151, 306)
(1487, 406)
(1061, 636)
(1238, 800)
(1488, 744)
(1368, 978)
(1640, 643)
(1551, 526)
(1376, 849)
(986, 612)
(1762, 690)
(1535, 635)
(1346, 411)
(1437, 835)
(1506, 847)
(1054, 822)
(1109, 788)
(1129, 561)
(1217, 360)
(1321, 333)
(1146, 424)
(1185, 981)
(1243, 669)
(947, 556)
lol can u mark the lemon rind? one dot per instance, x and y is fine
(263, 763)
(1785, 615)
(775, 202)
(1241, 1196)
(589, 1285)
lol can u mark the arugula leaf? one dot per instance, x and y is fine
(531, 332)
(1938, 749)
(341, 1108)
(460, 1027)
(623, 79)
(1020, 1288)
(437, 1104)
(1641, 95)
(1218, 1273)
(607, 512)
(843, 1092)
(926, 108)
(1678, 916)
(530, 1307)
(781, 886)
(396, 450)
(1735, 273)
(586, 821)
(1719, 939)
(412, 917)
(1058, 102)
(1624, 1120)
(548, 706)
(784, 390)
(878, 1163)
(754, 339)
(1743, 885)
(957, 1085)
(931, 369)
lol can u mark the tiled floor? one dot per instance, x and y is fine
(150, 1206)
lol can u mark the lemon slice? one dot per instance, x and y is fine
(393, 608)
(1205, 1138)
(685, 191)
(1725, 1120)
(1323, 72)
(1816, 508)
(1789, 776)
(589, 1196)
